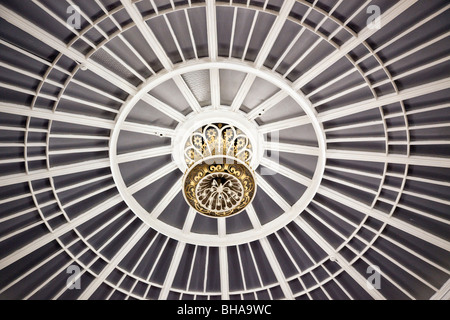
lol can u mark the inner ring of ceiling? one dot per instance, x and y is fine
(289, 212)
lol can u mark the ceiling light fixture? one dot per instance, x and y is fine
(219, 181)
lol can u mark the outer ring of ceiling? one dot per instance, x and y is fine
(445, 287)
(231, 239)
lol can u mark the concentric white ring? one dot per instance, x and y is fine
(209, 117)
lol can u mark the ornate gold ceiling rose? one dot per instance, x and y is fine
(219, 181)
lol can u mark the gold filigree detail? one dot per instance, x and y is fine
(215, 140)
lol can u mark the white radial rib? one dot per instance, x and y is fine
(29, 248)
(352, 139)
(385, 100)
(340, 94)
(23, 212)
(302, 57)
(284, 124)
(114, 262)
(56, 116)
(191, 267)
(253, 217)
(272, 193)
(409, 250)
(223, 266)
(215, 87)
(291, 148)
(25, 195)
(250, 33)
(78, 34)
(211, 26)
(404, 33)
(331, 82)
(419, 127)
(155, 175)
(243, 91)
(371, 212)
(381, 157)
(357, 125)
(174, 265)
(356, 171)
(187, 93)
(103, 226)
(285, 171)
(76, 151)
(55, 43)
(189, 220)
(340, 259)
(240, 268)
(144, 154)
(398, 264)
(233, 28)
(108, 14)
(93, 24)
(412, 71)
(258, 273)
(167, 199)
(12, 234)
(55, 172)
(30, 74)
(163, 107)
(89, 195)
(26, 91)
(34, 268)
(221, 227)
(147, 129)
(331, 59)
(147, 33)
(288, 49)
(77, 136)
(274, 32)
(122, 62)
(174, 37)
(191, 34)
(50, 278)
(326, 224)
(407, 53)
(276, 268)
(122, 228)
(267, 105)
(350, 18)
(15, 160)
(34, 57)
(136, 53)
(205, 281)
(427, 197)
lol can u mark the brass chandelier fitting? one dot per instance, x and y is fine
(219, 181)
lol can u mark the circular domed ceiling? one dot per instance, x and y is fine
(335, 113)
